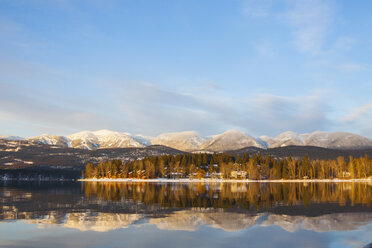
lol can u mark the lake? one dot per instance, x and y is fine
(91, 214)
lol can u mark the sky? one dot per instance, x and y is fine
(149, 67)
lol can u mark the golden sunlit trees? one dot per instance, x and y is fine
(90, 171)
(252, 170)
(228, 166)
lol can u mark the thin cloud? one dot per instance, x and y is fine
(150, 108)
(351, 67)
(258, 8)
(345, 43)
(271, 114)
(310, 20)
(358, 112)
(34, 109)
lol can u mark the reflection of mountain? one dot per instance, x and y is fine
(324, 223)
(100, 222)
(49, 219)
(192, 220)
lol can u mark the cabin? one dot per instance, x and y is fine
(238, 174)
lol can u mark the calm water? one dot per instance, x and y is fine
(182, 215)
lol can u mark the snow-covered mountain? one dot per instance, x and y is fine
(55, 140)
(284, 139)
(185, 141)
(320, 139)
(102, 139)
(191, 141)
(145, 140)
(229, 140)
(336, 140)
(89, 140)
(9, 137)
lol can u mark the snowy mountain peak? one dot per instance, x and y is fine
(290, 135)
(336, 140)
(232, 132)
(320, 139)
(230, 140)
(143, 139)
(285, 139)
(102, 139)
(186, 141)
(54, 140)
(10, 137)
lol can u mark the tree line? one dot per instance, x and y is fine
(222, 165)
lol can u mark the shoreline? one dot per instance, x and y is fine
(208, 180)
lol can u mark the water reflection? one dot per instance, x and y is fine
(231, 208)
(192, 220)
(233, 195)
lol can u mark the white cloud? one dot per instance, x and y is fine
(265, 50)
(258, 8)
(358, 120)
(310, 23)
(350, 67)
(310, 20)
(358, 112)
(344, 43)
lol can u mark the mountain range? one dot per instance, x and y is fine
(192, 141)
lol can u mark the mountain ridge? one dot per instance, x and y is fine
(191, 141)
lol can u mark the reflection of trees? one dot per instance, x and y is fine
(232, 195)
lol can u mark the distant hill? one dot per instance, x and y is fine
(26, 154)
(312, 152)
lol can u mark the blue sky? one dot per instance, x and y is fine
(263, 67)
